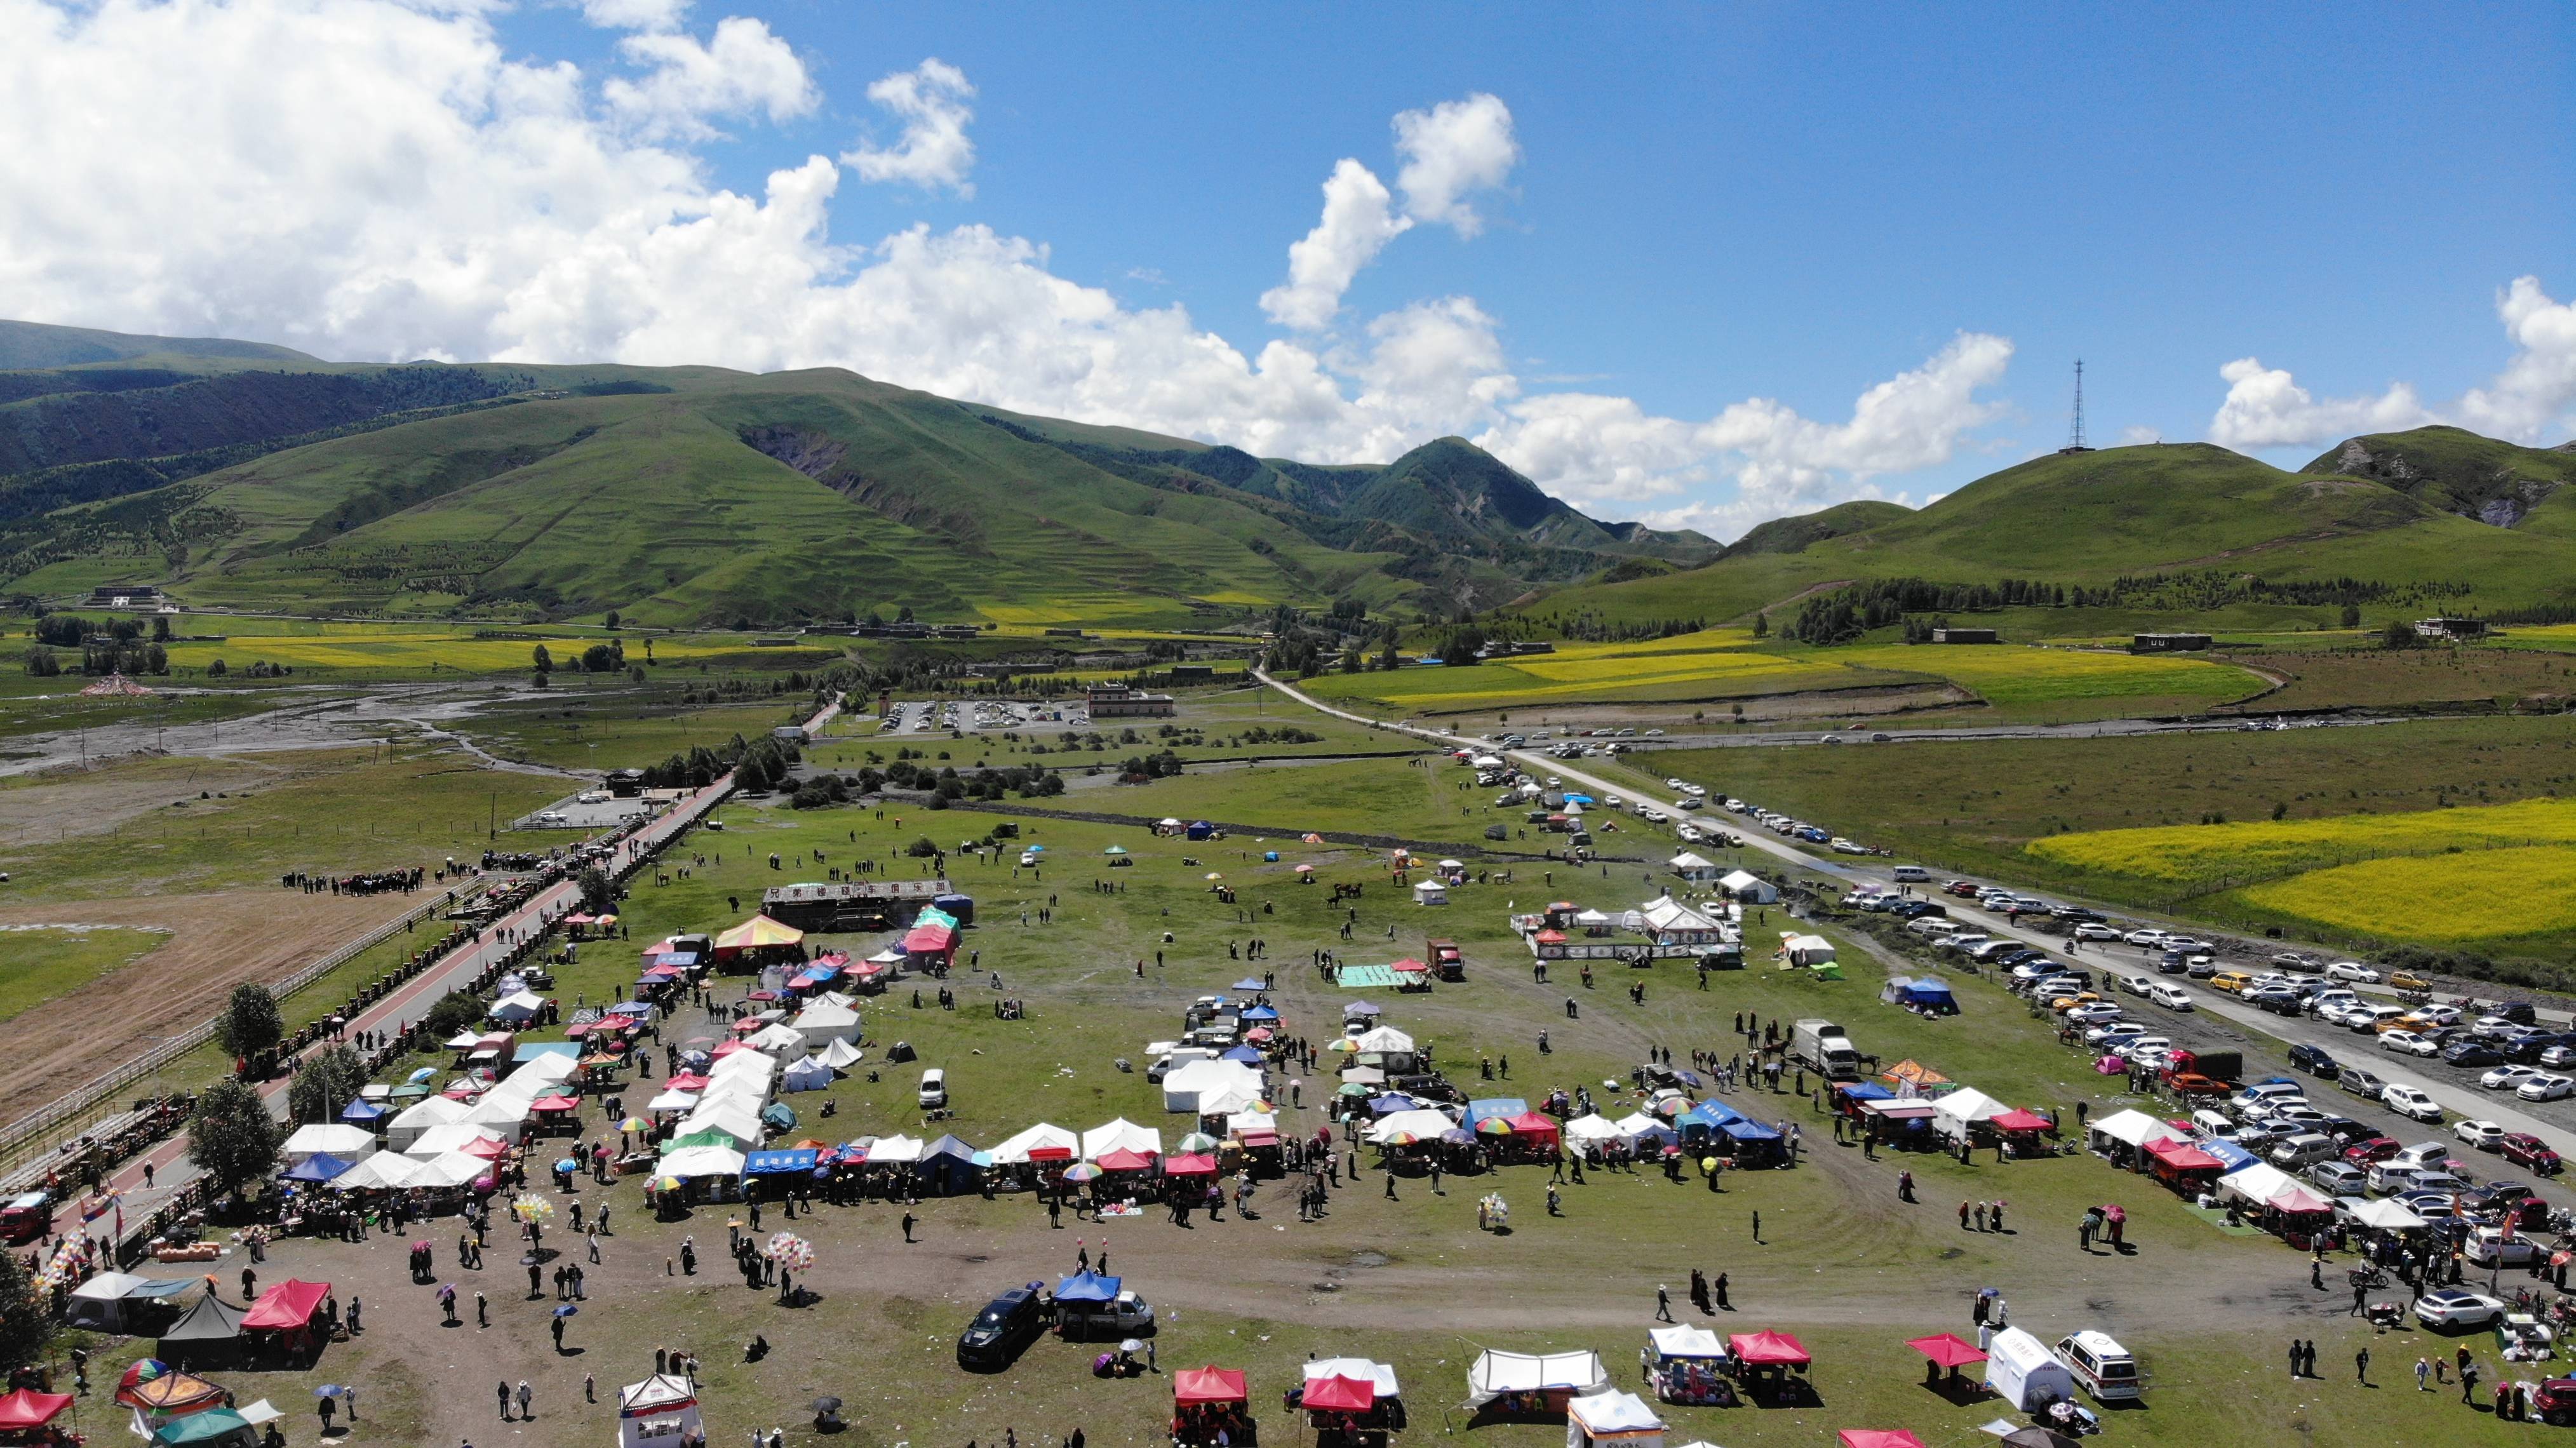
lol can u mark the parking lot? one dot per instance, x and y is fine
(978, 716)
(580, 812)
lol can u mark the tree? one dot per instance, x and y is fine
(1761, 625)
(327, 1083)
(251, 1025)
(635, 673)
(545, 662)
(25, 1325)
(598, 897)
(216, 670)
(160, 629)
(455, 1011)
(41, 662)
(2352, 615)
(2398, 635)
(231, 1137)
(611, 620)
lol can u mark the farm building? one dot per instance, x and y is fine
(849, 904)
(2450, 628)
(124, 595)
(2168, 643)
(1965, 636)
(1117, 701)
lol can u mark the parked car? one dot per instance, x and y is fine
(2490, 1247)
(2548, 1087)
(2354, 971)
(2362, 1082)
(2095, 930)
(2507, 1078)
(2410, 1101)
(2457, 1309)
(2314, 1060)
(2408, 1043)
(2339, 1178)
(2484, 1135)
(2171, 997)
(2525, 1150)
(2472, 1052)
(1007, 1324)
(2370, 1150)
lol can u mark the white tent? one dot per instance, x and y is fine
(519, 1007)
(385, 1169)
(1698, 869)
(2023, 1372)
(1229, 1100)
(454, 1169)
(1379, 1375)
(1386, 1040)
(743, 1065)
(700, 1161)
(1186, 1088)
(545, 1069)
(1965, 1107)
(1806, 950)
(455, 1136)
(1421, 1122)
(2131, 1128)
(1242, 1123)
(1121, 1135)
(895, 1149)
(1749, 888)
(312, 1141)
(840, 1055)
(1430, 892)
(465, 1041)
(809, 1074)
(740, 1122)
(420, 1116)
(1588, 919)
(2387, 1215)
(823, 1021)
(1496, 1373)
(505, 1111)
(1612, 1417)
(660, 1409)
(2258, 1183)
(1041, 1137)
(1637, 1124)
(775, 1040)
(1687, 1342)
(673, 1101)
(1591, 1128)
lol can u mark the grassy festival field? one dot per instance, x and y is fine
(45, 962)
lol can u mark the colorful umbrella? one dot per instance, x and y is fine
(1081, 1172)
(1494, 1126)
(635, 1123)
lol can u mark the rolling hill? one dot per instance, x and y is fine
(249, 476)
(2399, 514)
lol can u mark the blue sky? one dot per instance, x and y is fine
(1708, 205)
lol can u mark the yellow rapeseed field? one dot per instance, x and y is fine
(2260, 848)
(2014, 674)
(2476, 895)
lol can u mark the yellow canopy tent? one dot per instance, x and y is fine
(757, 932)
(1914, 1073)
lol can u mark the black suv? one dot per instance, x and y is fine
(2314, 1060)
(2472, 1052)
(1007, 1324)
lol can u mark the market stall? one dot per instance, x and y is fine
(659, 1412)
(1208, 1402)
(1686, 1364)
(1522, 1385)
(1770, 1365)
(1612, 1417)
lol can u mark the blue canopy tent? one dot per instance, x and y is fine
(1359, 1008)
(1697, 1123)
(362, 1112)
(2234, 1157)
(1200, 830)
(948, 1166)
(1502, 1107)
(1087, 1287)
(1244, 1054)
(1744, 1130)
(1260, 1013)
(1391, 1103)
(1249, 982)
(776, 1114)
(320, 1167)
(960, 908)
(1931, 994)
(1864, 1091)
(779, 1163)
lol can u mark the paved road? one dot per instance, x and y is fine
(1864, 736)
(2461, 1100)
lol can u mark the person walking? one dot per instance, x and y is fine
(907, 1226)
(527, 1401)
(482, 1309)
(1718, 1289)
(1663, 1303)
(2423, 1370)
(2361, 1366)
(504, 1392)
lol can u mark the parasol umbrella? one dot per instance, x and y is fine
(329, 1390)
(666, 1184)
(635, 1123)
(1132, 1344)
(567, 1164)
(1401, 1138)
(1305, 869)
(531, 1259)
(1494, 1126)
(827, 1405)
(1197, 1141)
(423, 1074)
(566, 1310)
(1215, 875)
(1081, 1172)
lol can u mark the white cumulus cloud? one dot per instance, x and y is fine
(1450, 150)
(1359, 220)
(375, 180)
(934, 149)
(2530, 401)
(635, 14)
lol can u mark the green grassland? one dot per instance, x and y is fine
(1982, 805)
(44, 963)
(1413, 1283)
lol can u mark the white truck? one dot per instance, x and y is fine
(1820, 1046)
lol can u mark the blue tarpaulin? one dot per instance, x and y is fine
(1249, 982)
(1707, 1116)
(321, 1167)
(778, 1163)
(1244, 1054)
(1260, 1013)
(1504, 1107)
(363, 1111)
(1865, 1091)
(1743, 1130)
(1393, 1102)
(1087, 1287)
(536, 1049)
(2236, 1157)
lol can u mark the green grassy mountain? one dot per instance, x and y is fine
(2456, 470)
(2174, 508)
(698, 495)
(34, 344)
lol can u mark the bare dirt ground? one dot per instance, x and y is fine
(96, 800)
(217, 942)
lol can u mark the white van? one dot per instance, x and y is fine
(2106, 1369)
(1912, 875)
(2023, 1372)
(934, 1088)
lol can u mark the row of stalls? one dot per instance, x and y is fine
(2218, 1172)
(1662, 928)
(1914, 1108)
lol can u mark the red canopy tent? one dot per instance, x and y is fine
(1947, 1350)
(289, 1308)
(1340, 1395)
(27, 1409)
(1191, 1165)
(2018, 1120)
(1530, 1123)
(1877, 1438)
(2183, 1156)
(1124, 1159)
(1210, 1385)
(1767, 1347)
(554, 1103)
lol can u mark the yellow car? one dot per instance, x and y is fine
(2068, 1003)
(2231, 981)
(2403, 981)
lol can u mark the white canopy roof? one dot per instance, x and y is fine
(1496, 1373)
(1613, 1412)
(1594, 1127)
(349, 1141)
(673, 1101)
(1039, 1137)
(1357, 1369)
(1689, 861)
(809, 1074)
(2387, 1216)
(773, 1039)
(1385, 1039)
(1687, 1342)
(1422, 1121)
(520, 1005)
(743, 1063)
(895, 1148)
(700, 1161)
(1671, 914)
(1252, 1121)
(1228, 1101)
(429, 1112)
(840, 1055)
(734, 1119)
(2132, 1128)
(2260, 1182)
(455, 1136)
(454, 1169)
(109, 1286)
(1590, 917)
(1121, 1135)
(1637, 1123)
(387, 1169)
(465, 1041)
(1968, 1104)
(498, 1108)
